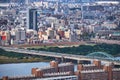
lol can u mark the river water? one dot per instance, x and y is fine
(19, 69)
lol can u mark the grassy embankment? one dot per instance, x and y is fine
(12, 57)
(112, 49)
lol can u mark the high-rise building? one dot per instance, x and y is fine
(32, 19)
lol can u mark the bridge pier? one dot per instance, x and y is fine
(62, 59)
(78, 62)
(58, 59)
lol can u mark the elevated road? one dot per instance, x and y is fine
(59, 55)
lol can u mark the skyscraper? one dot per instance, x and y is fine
(32, 19)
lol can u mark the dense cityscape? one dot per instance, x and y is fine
(59, 24)
(50, 22)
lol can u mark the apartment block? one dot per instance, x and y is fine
(94, 75)
(97, 71)
(54, 69)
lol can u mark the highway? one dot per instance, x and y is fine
(58, 55)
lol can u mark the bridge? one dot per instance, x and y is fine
(101, 55)
(105, 59)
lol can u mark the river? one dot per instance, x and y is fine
(19, 69)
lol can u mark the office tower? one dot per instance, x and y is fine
(32, 19)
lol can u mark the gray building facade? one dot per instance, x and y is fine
(32, 19)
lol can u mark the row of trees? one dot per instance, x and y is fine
(112, 49)
(21, 55)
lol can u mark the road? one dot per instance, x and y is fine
(106, 41)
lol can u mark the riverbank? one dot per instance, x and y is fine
(7, 60)
(13, 57)
(56, 44)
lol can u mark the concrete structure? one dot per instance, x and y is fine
(97, 71)
(54, 70)
(20, 35)
(72, 37)
(32, 19)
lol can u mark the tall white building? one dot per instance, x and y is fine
(20, 34)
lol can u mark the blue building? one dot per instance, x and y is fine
(32, 19)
